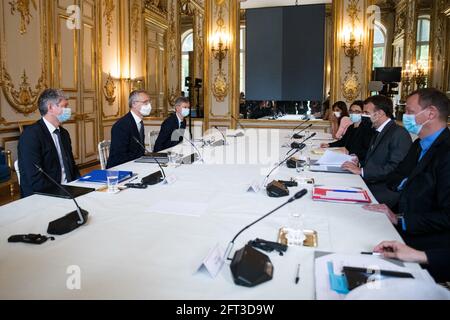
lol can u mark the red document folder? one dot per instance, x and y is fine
(341, 194)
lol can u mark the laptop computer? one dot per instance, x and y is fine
(75, 191)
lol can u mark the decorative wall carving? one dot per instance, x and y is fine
(172, 36)
(220, 85)
(135, 21)
(108, 14)
(157, 6)
(109, 90)
(23, 100)
(23, 7)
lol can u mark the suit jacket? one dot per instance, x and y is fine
(36, 146)
(439, 264)
(356, 140)
(425, 197)
(169, 135)
(123, 146)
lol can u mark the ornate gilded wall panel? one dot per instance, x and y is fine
(23, 59)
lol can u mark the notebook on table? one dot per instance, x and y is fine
(99, 176)
(75, 191)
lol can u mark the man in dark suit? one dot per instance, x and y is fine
(48, 145)
(388, 148)
(172, 129)
(422, 180)
(125, 131)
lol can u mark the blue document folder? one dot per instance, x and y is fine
(100, 176)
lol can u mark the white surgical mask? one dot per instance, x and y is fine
(146, 110)
(337, 114)
(184, 112)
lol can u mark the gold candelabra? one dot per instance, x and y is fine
(352, 45)
(219, 48)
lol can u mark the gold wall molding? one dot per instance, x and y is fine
(220, 86)
(23, 7)
(156, 6)
(108, 14)
(135, 21)
(172, 36)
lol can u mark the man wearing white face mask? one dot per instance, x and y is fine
(172, 129)
(126, 130)
(422, 179)
(47, 145)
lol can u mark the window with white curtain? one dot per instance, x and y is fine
(379, 46)
(187, 45)
(423, 40)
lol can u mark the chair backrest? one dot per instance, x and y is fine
(16, 168)
(103, 152)
(153, 135)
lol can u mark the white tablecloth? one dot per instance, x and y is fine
(132, 249)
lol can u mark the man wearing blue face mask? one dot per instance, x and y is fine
(423, 177)
(172, 129)
(47, 145)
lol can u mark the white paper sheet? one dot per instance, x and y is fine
(334, 158)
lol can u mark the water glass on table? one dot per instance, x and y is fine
(112, 178)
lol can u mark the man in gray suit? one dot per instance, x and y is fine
(388, 148)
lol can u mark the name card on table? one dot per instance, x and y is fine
(213, 262)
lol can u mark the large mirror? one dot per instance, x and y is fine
(295, 85)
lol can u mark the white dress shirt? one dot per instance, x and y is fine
(51, 128)
(138, 120)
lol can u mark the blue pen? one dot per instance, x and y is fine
(346, 191)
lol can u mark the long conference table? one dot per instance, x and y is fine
(149, 243)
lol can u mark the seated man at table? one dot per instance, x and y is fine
(423, 178)
(47, 145)
(437, 261)
(388, 148)
(172, 129)
(124, 147)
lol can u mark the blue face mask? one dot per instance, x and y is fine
(65, 115)
(355, 117)
(409, 122)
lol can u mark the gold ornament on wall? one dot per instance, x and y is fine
(23, 100)
(171, 35)
(109, 90)
(172, 96)
(135, 20)
(220, 86)
(108, 15)
(219, 49)
(351, 87)
(23, 7)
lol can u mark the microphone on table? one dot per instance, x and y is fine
(302, 123)
(288, 155)
(196, 149)
(297, 145)
(70, 221)
(223, 136)
(155, 177)
(249, 266)
(298, 136)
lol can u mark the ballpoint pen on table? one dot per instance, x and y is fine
(297, 278)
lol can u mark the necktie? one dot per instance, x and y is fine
(142, 132)
(419, 153)
(374, 139)
(64, 156)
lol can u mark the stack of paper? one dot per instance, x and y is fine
(331, 158)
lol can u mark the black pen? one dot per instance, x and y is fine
(372, 253)
(297, 278)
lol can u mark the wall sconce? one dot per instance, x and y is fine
(219, 47)
(109, 90)
(352, 44)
